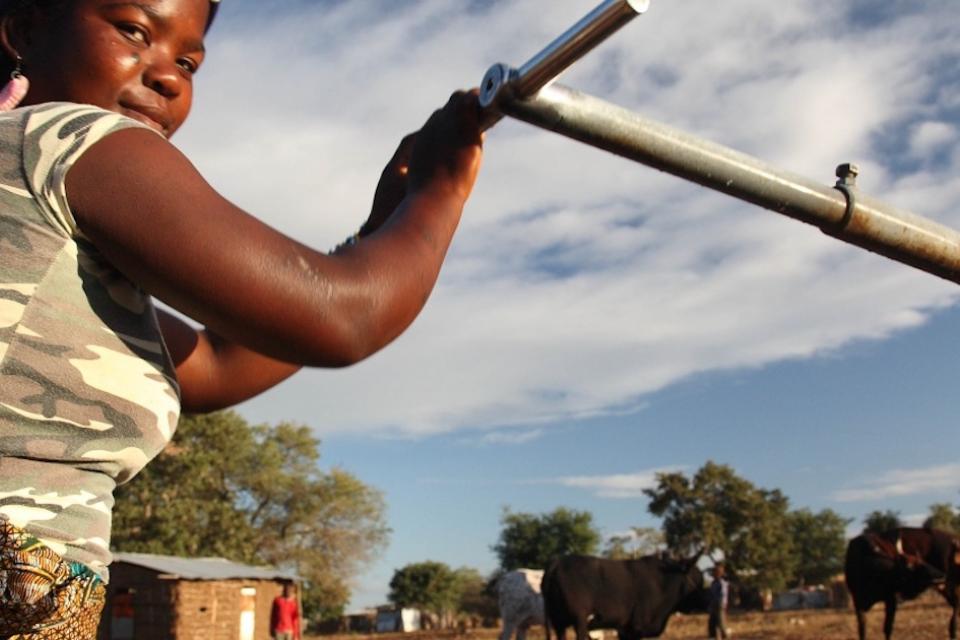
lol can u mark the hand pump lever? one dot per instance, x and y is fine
(538, 71)
(839, 210)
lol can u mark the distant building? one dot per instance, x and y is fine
(809, 598)
(832, 594)
(364, 622)
(152, 597)
(390, 619)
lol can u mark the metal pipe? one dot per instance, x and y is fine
(556, 57)
(841, 212)
(591, 30)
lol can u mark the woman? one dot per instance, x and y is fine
(99, 213)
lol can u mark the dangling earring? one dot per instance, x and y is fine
(14, 91)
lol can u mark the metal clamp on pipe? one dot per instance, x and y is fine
(556, 57)
(847, 185)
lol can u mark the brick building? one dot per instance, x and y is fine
(153, 597)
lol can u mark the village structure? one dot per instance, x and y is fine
(153, 597)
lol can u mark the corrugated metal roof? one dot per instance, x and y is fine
(203, 568)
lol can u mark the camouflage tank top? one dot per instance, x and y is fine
(88, 393)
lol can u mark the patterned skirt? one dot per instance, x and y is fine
(41, 594)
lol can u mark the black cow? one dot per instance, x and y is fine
(635, 597)
(900, 564)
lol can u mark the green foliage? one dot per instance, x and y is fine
(184, 502)
(944, 517)
(719, 512)
(434, 587)
(473, 596)
(641, 541)
(880, 521)
(429, 585)
(532, 541)
(820, 542)
(254, 494)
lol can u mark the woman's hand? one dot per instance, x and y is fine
(447, 150)
(392, 187)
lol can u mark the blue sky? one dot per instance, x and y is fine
(598, 321)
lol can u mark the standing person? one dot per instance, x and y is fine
(99, 214)
(285, 616)
(717, 609)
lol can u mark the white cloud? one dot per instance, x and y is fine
(904, 482)
(513, 436)
(930, 137)
(615, 486)
(580, 282)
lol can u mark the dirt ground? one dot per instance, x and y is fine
(923, 619)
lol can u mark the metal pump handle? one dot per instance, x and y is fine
(840, 211)
(556, 57)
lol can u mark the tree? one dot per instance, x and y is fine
(474, 598)
(255, 495)
(880, 521)
(723, 514)
(184, 502)
(944, 517)
(532, 541)
(429, 585)
(641, 541)
(820, 542)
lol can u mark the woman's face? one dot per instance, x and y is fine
(134, 57)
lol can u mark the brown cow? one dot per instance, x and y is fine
(901, 564)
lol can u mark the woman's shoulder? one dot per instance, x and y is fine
(40, 143)
(54, 135)
(74, 116)
(60, 124)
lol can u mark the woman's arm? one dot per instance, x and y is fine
(150, 213)
(215, 373)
